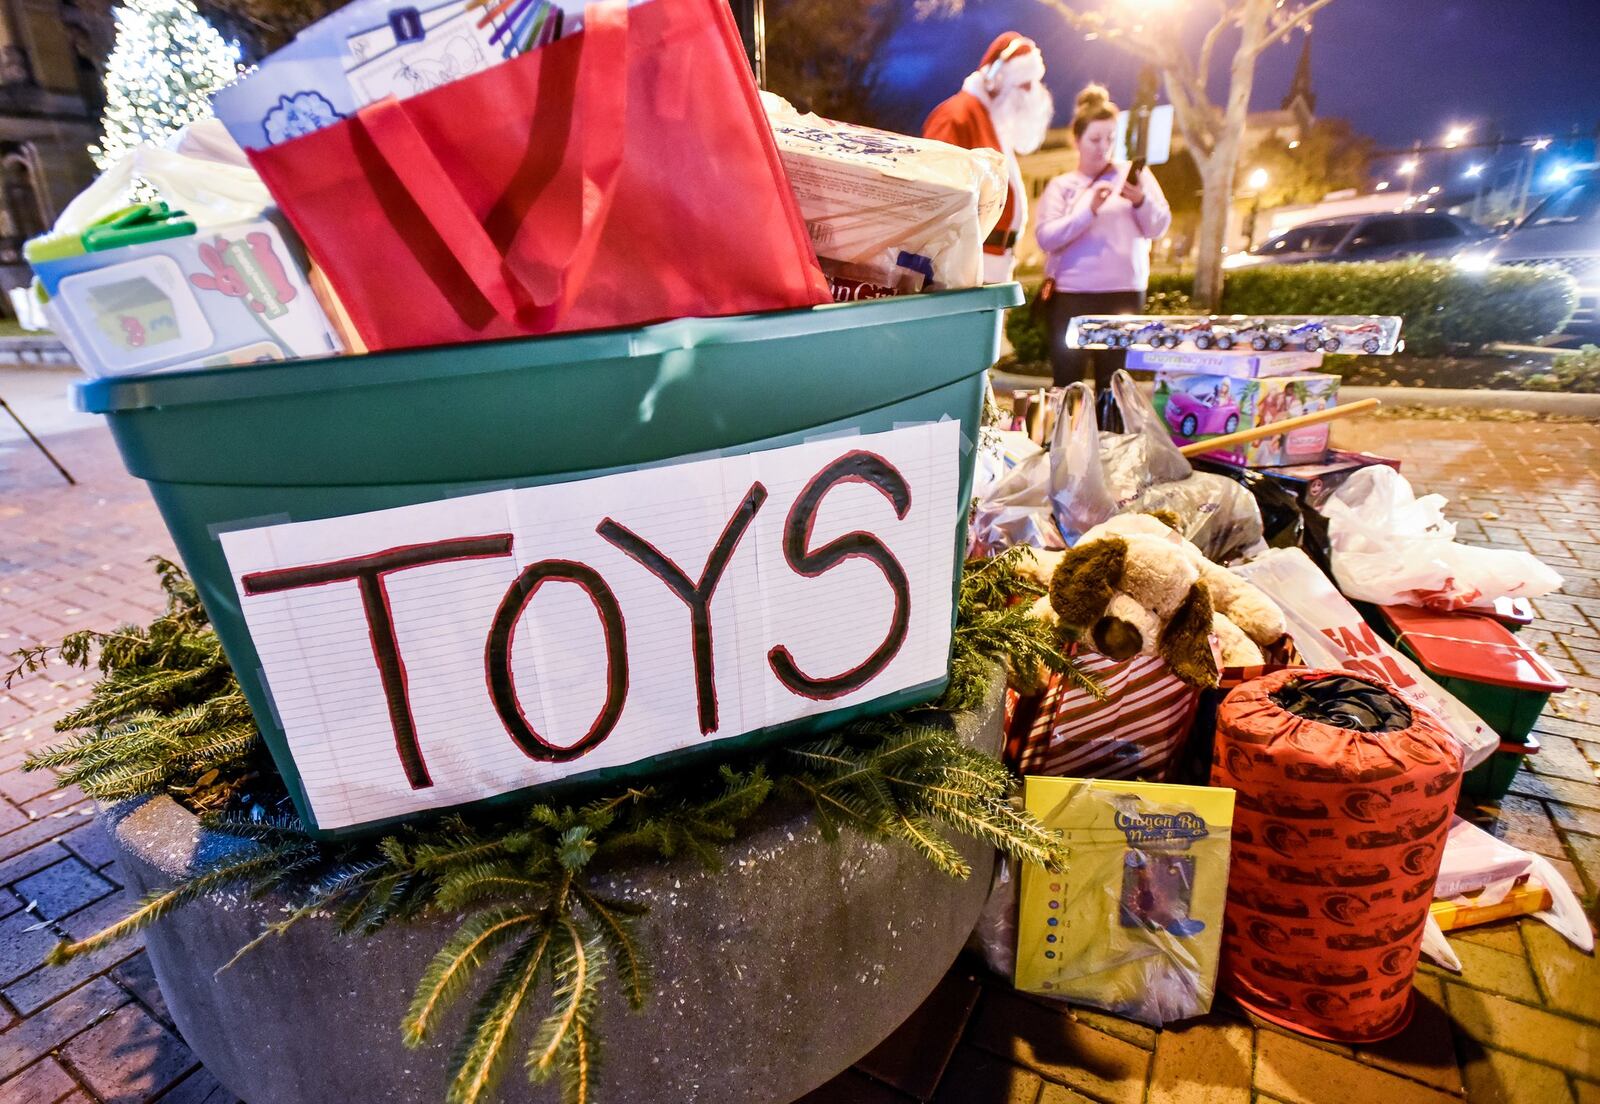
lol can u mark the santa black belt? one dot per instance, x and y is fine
(1002, 239)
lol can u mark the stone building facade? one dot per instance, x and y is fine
(52, 56)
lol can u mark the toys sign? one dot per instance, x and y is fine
(440, 653)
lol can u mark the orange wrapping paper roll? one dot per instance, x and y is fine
(1337, 839)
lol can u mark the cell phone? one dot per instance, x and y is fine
(1134, 170)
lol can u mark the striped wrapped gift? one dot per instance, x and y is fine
(1137, 731)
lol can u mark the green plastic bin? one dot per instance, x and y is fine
(1481, 663)
(1492, 778)
(226, 448)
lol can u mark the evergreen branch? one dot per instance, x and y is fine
(116, 783)
(458, 846)
(481, 1055)
(219, 745)
(576, 968)
(130, 688)
(614, 930)
(483, 881)
(79, 748)
(157, 905)
(447, 975)
(920, 834)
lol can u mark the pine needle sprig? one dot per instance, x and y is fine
(218, 876)
(482, 1055)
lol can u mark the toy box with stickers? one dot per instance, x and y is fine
(144, 290)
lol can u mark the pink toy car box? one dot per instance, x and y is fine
(1199, 405)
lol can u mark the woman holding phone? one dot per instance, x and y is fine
(1095, 225)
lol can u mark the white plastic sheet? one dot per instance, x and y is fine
(1391, 547)
(1479, 869)
(1329, 633)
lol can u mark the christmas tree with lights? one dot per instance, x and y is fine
(166, 64)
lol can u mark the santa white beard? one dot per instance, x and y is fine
(1022, 116)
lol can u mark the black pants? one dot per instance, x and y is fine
(1071, 365)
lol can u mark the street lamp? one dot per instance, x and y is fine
(1407, 167)
(1455, 136)
(1541, 145)
(1256, 182)
(1383, 186)
(1474, 170)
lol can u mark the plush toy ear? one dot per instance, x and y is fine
(1169, 518)
(1086, 580)
(1186, 641)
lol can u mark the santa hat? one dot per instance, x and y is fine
(1011, 59)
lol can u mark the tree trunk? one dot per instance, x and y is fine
(1218, 171)
(1216, 197)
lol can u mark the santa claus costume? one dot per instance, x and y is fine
(1005, 106)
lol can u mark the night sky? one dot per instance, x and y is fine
(1399, 70)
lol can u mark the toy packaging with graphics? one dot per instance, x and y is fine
(1198, 405)
(1135, 922)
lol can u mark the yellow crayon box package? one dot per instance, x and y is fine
(1134, 923)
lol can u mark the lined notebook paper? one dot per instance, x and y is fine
(453, 565)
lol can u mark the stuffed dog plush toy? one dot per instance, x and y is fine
(1134, 586)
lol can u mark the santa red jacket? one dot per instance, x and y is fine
(963, 120)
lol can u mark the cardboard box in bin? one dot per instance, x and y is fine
(1196, 406)
(617, 548)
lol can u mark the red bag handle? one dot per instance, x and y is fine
(547, 259)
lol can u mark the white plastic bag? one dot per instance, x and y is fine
(1479, 869)
(203, 173)
(1390, 547)
(888, 213)
(1329, 633)
(1094, 476)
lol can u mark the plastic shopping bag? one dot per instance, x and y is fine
(1329, 633)
(1479, 871)
(201, 172)
(1011, 495)
(1391, 547)
(1095, 476)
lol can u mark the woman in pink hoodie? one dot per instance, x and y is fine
(1095, 225)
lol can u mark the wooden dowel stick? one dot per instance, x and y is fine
(1272, 429)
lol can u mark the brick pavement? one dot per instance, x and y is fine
(1522, 1023)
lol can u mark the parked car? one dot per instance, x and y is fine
(1564, 231)
(1365, 238)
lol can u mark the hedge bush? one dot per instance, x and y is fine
(1445, 309)
(1574, 371)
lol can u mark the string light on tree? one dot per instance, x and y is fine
(166, 63)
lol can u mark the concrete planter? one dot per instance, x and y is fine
(771, 975)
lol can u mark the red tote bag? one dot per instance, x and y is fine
(622, 175)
